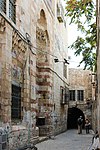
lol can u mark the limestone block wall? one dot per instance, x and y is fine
(20, 136)
(28, 62)
(5, 70)
(81, 80)
(17, 45)
(59, 81)
(61, 110)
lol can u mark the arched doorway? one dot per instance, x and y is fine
(73, 115)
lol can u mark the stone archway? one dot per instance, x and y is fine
(73, 115)
(43, 72)
(42, 41)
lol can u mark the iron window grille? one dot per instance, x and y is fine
(16, 102)
(64, 92)
(3, 6)
(12, 10)
(72, 95)
(66, 95)
(80, 95)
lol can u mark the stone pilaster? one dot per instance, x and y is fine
(5, 75)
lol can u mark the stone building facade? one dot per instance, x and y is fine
(33, 64)
(80, 95)
(97, 81)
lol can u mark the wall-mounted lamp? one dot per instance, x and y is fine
(66, 61)
(57, 60)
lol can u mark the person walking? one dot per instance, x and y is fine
(95, 142)
(80, 123)
(87, 125)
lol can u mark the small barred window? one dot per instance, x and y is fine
(3, 6)
(12, 10)
(72, 95)
(80, 95)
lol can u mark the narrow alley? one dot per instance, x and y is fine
(68, 140)
(44, 86)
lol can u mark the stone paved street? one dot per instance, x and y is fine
(69, 140)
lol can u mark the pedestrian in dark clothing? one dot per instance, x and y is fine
(80, 123)
(87, 125)
(95, 142)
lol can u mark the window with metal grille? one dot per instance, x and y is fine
(16, 102)
(12, 10)
(66, 95)
(3, 6)
(72, 95)
(80, 95)
(65, 70)
(62, 95)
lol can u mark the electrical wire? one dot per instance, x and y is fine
(25, 39)
(40, 49)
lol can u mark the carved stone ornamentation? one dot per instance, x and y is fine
(19, 48)
(41, 35)
(18, 42)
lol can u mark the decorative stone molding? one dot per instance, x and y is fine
(2, 24)
(41, 35)
(18, 53)
(18, 42)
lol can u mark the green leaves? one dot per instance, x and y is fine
(76, 9)
(82, 13)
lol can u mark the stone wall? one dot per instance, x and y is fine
(21, 136)
(82, 80)
(28, 49)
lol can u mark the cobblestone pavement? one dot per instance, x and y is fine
(69, 140)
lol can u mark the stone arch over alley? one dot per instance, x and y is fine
(73, 115)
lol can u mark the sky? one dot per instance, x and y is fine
(72, 36)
